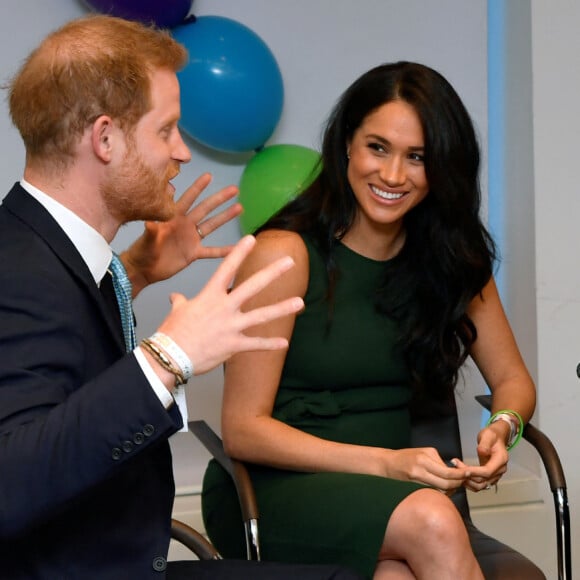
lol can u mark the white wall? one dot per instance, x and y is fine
(321, 47)
(556, 96)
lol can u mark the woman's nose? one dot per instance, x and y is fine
(393, 171)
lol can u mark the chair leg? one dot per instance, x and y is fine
(563, 534)
(252, 541)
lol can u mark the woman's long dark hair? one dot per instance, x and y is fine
(448, 254)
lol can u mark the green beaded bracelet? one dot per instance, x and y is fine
(514, 440)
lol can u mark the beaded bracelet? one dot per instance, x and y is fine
(163, 360)
(175, 352)
(515, 432)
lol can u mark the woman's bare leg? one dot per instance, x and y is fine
(427, 532)
(393, 570)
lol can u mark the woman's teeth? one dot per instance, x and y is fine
(386, 194)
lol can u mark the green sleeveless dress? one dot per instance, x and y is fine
(343, 380)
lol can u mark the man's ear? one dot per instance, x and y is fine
(103, 136)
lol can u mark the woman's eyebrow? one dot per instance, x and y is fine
(387, 142)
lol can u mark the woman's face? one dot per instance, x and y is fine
(386, 170)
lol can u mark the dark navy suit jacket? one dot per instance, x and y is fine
(86, 485)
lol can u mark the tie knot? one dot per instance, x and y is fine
(120, 275)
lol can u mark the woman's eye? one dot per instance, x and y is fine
(376, 147)
(419, 157)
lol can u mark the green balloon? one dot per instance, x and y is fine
(274, 176)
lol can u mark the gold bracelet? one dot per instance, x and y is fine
(163, 360)
(174, 352)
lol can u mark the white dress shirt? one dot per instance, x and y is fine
(97, 254)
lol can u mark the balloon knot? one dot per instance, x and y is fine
(190, 19)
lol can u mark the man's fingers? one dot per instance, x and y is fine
(209, 252)
(271, 312)
(207, 205)
(261, 279)
(226, 271)
(189, 196)
(214, 200)
(177, 299)
(214, 222)
(252, 286)
(261, 343)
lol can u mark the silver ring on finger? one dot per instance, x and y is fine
(199, 232)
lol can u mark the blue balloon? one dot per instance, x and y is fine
(163, 13)
(231, 89)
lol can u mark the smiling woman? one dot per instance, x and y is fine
(395, 268)
(387, 175)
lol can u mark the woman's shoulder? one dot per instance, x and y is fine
(272, 245)
(277, 243)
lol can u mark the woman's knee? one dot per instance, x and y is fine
(428, 515)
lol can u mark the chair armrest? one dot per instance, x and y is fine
(543, 445)
(193, 540)
(235, 468)
(557, 482)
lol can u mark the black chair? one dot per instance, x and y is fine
(242, 481)
(557, 482)
(498, 561)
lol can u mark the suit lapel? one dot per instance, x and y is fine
(22, 205)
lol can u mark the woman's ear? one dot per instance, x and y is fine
(103, 138)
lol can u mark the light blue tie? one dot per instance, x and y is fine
(124, 292)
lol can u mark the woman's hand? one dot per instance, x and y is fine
(493, 458)
(424, 465)
(500, 362)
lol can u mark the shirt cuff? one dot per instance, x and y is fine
(158, 387)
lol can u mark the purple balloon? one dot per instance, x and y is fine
(162, 13)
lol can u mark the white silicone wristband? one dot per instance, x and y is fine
(175, 352)
(513, 429)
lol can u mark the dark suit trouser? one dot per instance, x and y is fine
(246, 570)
